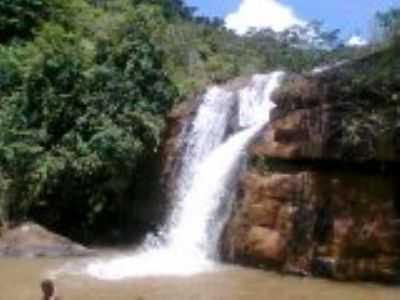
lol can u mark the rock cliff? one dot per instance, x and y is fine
(321, 193)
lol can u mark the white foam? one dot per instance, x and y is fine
(208, 176)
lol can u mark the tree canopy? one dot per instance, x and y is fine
(85, 87)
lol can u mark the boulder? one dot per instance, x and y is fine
(33, 240)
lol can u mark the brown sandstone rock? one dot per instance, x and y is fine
(296, 136)
(335, 224)
(266, 244)
(321, 192)
(328, 201)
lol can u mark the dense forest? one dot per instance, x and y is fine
(86, 85)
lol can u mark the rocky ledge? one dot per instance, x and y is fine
(321, 193)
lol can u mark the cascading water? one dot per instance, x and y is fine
(209, 172)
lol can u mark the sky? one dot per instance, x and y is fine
(353, 17)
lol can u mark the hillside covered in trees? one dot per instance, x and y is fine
(86, 85)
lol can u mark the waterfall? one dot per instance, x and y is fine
(206, 184)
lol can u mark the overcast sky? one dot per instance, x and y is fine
(353, 17)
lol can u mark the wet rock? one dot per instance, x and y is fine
(325, 132)
(317, 200)
(335, 115)
(266, 244)
(178, 121)
(338, 224)
(320, 195)
(33, 240)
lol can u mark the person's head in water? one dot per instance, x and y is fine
(48, 289)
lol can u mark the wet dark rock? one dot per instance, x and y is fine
(336, 224)
(321, 194)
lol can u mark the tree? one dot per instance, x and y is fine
(170, 8)
(78, 114)
(390, 23)
(18, 18)
(85, 87)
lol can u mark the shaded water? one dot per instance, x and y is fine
(19, 280)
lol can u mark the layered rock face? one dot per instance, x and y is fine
(328, 223)
(321, 193)
(173, 147)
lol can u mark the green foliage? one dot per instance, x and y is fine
(77, 113)
(18, 18)
(85, 87)
(389, 21)
(169, 8)
(368, 92)
(21, 19)
(10, 75)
